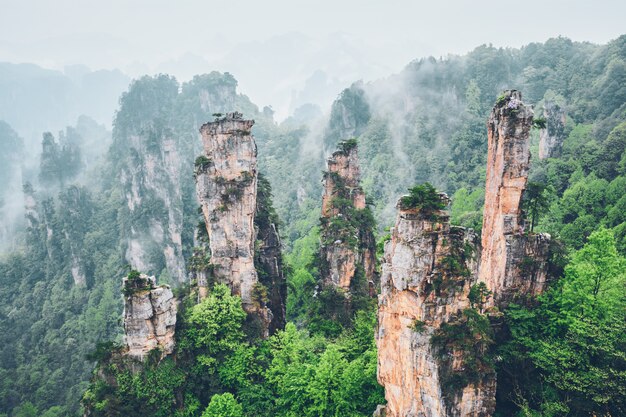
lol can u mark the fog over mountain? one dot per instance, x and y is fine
(283, 53)
(312, 208)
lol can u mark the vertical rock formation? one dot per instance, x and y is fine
(226, 184)
(551, 137)
(75, 215)
(438, 285)
(349, 116)
(147, 152)
(505, 247)
(149, 316)
(154, 196)
(268, 256)
(428, 271)
(348, 246)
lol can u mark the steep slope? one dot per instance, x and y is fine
(226, 181)
(439, 283)
(429, 270)
(512, 261)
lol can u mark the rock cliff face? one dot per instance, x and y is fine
(151, 182)
(348, 116)
(348, 245)
(226, 184)
(149, 317)
(439, 284)
(428, 271)
(552, 136)
(505, 247)
(268, 256)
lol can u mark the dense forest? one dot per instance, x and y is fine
(102, 201)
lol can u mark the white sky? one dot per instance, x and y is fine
(140, 35)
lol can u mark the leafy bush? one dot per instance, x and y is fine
(423, 197)
(223, 405)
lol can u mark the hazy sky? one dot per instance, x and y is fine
(380, 36)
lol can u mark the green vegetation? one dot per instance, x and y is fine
(559, 355)
(478, 295)
(471, 336)
(425, 198)
(418, 326)
(536, 201)
(566, 355)
(202, 163)
(223, 405)
(219, 373)
(539, 122)
(135, 283)
(346, 146)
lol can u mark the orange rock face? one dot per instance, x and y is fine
(503, 239)
(429, 270)
(353, 248)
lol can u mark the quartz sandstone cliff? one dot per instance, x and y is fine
(506, 249)
(149, 317)
(428, 270)
(551, 137)
(430, 273)
(348, 245)
(226, 185)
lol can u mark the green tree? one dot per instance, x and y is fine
(423, 197)
(326, 385)
(593, 287)
(223, 405)
(215, 327)
(535, 202)
(25, 410)
(569, 351)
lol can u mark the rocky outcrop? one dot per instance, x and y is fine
(349, 116)
(505, 246)
(226, 185)
(551, 137)
(151, 189)
(268, 256)
(441, 288)
(348, 251)
(428, 271)
(149, 316)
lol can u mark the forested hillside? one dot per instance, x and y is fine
(97, 210)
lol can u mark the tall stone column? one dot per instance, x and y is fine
(348, 244)
(226, 184)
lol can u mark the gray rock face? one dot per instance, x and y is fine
(154, 179)
(226, 185)
(269, 258)
(149, 317)
(551, 138)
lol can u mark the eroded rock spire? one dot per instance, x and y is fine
(149, 316)
(439, 286)
(428, 271)
(348, 250)
(513, 260)
(226, 184)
